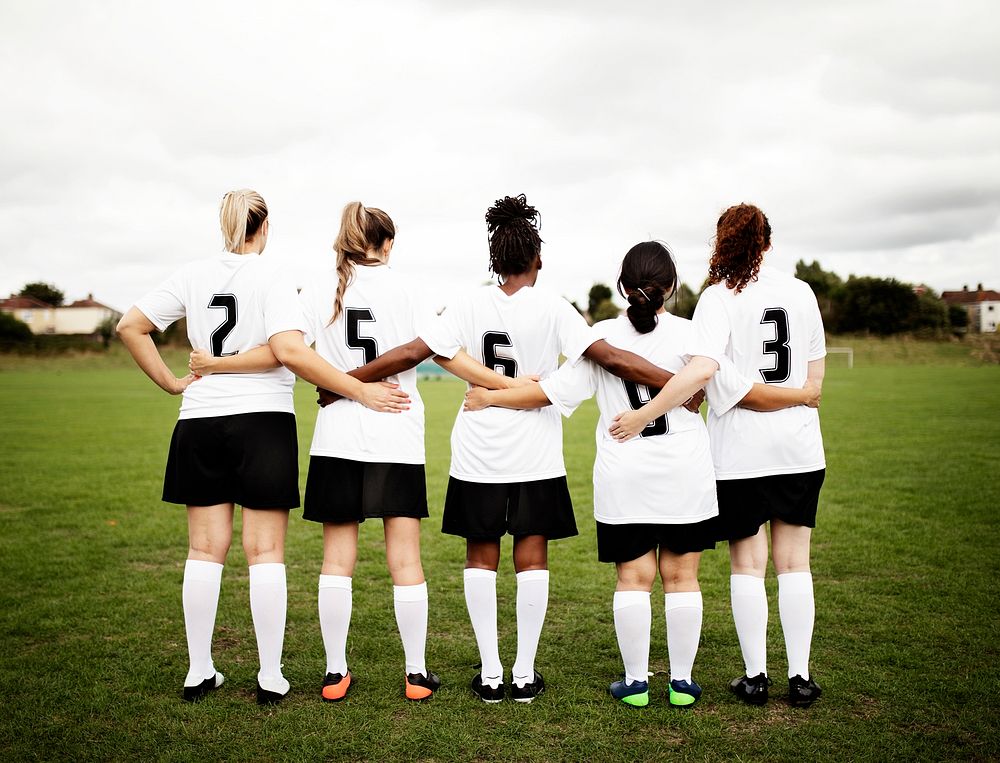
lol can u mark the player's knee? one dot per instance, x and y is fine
(208, 549)
(263, 550)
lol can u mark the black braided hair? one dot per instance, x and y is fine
(512, 229)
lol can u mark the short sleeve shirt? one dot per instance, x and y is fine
(233, 303)
(516, 335)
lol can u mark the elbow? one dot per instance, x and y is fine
(285, 353)
(416, 352)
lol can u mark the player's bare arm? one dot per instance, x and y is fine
(523, 398)
(408, 355)
(290, 349)
(255, 360)
(635, 368)
(769, 397)
(135, 329)
(694, 376)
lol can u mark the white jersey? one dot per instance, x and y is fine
(514, 335)
(771, 331)
(379, 313)
(233, 303)
(665, 475)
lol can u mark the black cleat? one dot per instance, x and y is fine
(266, 697)
(753, 691)
(802, 692)
(197, 693)
(485, 692)
(529, 691)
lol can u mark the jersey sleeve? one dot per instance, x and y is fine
(711, 327)
(574, 334)
(308, 304)
(727, 387)
(570, 385)
(817, 336)
(164, 304)
(443, 333)
(282, 311)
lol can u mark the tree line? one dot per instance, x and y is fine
(859, 305)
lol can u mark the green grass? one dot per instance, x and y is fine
(906, 562)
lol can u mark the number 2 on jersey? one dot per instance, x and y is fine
(659, 425)
(353, 317)
(498, 363)
(778, 346)
(228, 303)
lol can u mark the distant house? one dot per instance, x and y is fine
(983, 306)
(84, 316)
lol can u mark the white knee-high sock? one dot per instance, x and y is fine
(683, 610)
(268, 605)
(481, 599)
(797, 609)
(532, 603)
(200, 598)
(749, 600)
(633, 616)
(410, 603)
(335, 604)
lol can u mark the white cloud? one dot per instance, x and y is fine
(869, 133)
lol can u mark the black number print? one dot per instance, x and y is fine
(778, 346)
(228, 303)
(499, 363)
(353, 317)
(659, 425)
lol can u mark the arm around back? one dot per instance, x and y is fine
(290, 349)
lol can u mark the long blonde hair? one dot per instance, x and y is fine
(241, 215)
(362, 229)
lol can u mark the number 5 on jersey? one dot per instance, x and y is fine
(353, 318)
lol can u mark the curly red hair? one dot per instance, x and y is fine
(742, 235)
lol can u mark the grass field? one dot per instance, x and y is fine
(906, 561)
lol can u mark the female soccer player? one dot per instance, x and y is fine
(770, 467)
(235, 439)
(653, 499)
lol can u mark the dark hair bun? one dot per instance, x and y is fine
(509, 209)
(642, 311)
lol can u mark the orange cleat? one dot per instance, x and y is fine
(335, 686)
(419, 686)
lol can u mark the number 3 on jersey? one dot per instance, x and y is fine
(353, 317)
(659, 425)
(499, 363)
(778, 346)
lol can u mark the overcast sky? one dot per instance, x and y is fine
(869, 132)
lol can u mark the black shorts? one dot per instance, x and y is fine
(488, 510)
(623, 543)
(251, 459)
(342, 490)
(744, 505)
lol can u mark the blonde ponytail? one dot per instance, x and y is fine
(362, 231)
(241, 215)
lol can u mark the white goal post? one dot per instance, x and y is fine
(848, 351)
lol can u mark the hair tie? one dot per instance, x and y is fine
(644, 295)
